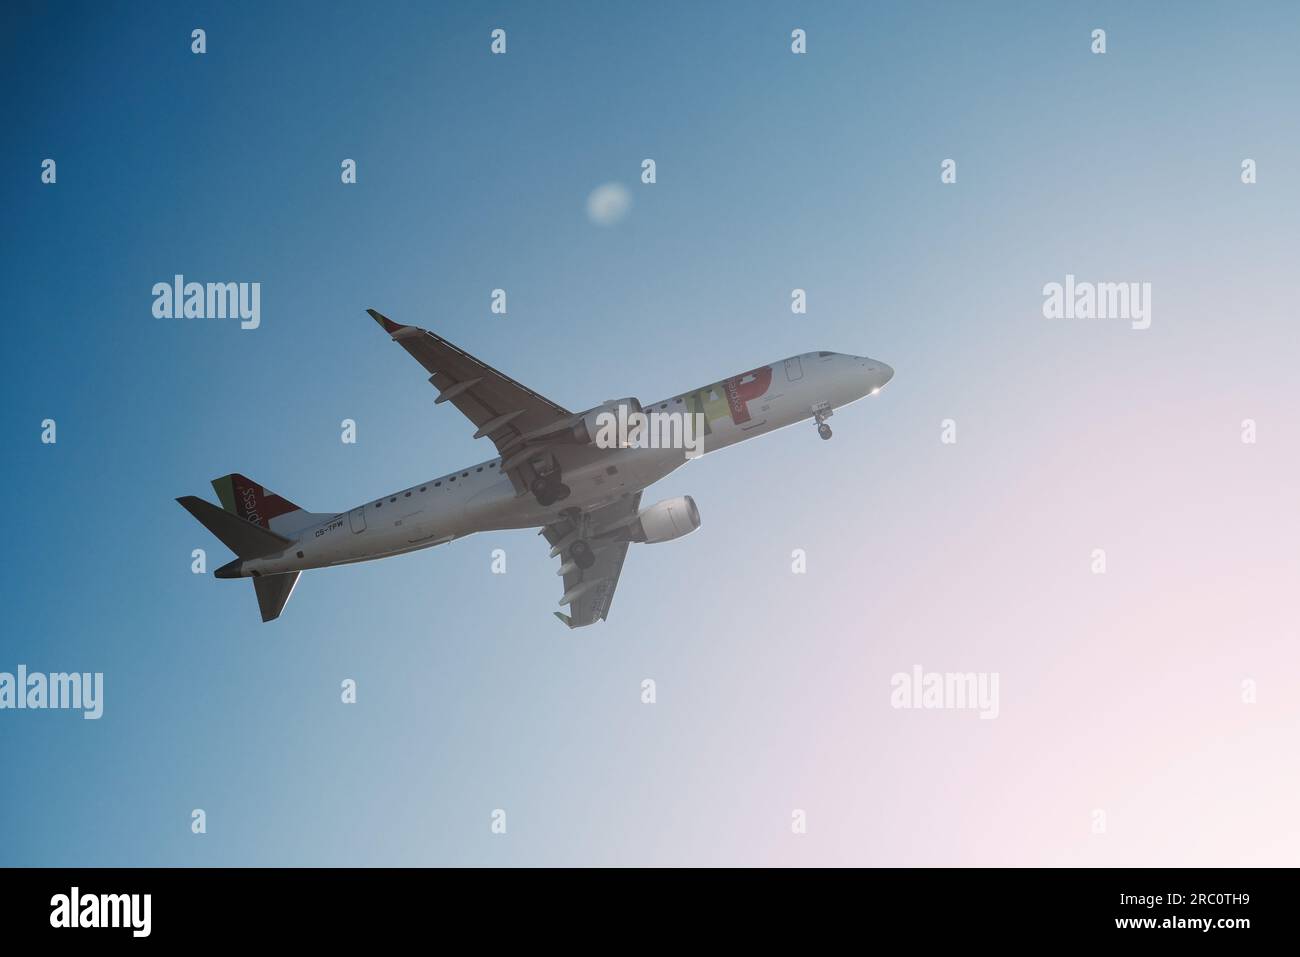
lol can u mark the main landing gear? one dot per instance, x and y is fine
(548, 489)
(582, 555)
(821, 413)
(580, 551)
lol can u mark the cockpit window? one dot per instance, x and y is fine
(823, 355)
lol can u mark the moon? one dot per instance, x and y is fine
(609, 204)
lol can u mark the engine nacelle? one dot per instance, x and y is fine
(666, 520)
(589, 426)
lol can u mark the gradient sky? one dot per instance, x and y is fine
(1119, 692)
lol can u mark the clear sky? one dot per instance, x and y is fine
(1120, 692)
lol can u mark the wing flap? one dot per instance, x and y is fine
(499, 407)
(590, 592)
(503, 410)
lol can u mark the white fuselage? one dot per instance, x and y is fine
(481, 497)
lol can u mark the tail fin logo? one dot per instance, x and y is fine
(254, 503)
(248, 506)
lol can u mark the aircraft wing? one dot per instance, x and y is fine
(591, 590)
(500, 408)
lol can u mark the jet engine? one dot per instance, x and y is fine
(666, 520)
(589, 426)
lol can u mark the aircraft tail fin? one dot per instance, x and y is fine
(246, 540)
(255, 503)
(273, 593)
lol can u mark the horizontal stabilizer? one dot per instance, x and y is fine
(243, 538)
(273, 592)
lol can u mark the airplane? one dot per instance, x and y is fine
(551, 472)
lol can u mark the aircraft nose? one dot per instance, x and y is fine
(877, 373)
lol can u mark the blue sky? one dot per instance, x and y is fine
(775, 172)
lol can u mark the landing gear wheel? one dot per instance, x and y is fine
(582, 554)
(548, 489)
(824, 430)
(544, 492)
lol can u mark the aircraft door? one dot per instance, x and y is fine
(357, 519)
(793, 370)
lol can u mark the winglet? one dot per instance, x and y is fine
(564, 618)
(390, 327)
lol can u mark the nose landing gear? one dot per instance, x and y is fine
(821, 412)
